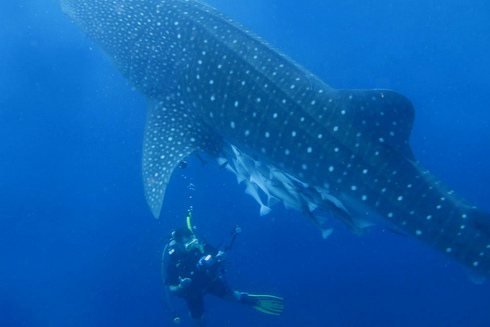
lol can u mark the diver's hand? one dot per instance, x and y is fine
(221, 256)
(184, 283)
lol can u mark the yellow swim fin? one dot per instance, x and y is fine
(270, 304)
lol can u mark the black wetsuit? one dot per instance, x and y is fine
(204, 281)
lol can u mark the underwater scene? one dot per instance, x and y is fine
(244, 163)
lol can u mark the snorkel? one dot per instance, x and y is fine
(194, 243)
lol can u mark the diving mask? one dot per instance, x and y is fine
(193, 244)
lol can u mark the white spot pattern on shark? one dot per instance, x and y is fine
(214, 87)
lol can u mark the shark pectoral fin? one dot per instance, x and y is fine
(172, 133)
(385, 116)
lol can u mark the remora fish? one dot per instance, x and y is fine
(214, 87)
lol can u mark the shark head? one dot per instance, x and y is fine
(216, 88)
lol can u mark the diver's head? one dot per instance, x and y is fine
(183, 235)
(185, 239)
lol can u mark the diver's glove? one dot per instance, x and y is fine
(180, 289)
(184, 283)
(221, 256)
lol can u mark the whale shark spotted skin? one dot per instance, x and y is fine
(214, 87)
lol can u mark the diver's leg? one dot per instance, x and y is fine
(232, 296)
(200, 322)
(222, 290)
(244, 298)
(270, 304)
(196, 310)
(240, 297)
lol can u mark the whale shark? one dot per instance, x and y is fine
(215, 88)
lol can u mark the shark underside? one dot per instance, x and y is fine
(214, 87)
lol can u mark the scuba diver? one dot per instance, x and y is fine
(195, 269)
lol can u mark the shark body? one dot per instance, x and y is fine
(214, 87)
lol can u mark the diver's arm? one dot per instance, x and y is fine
(174, 288)
(183, 285)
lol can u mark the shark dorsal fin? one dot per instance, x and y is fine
(385, 116)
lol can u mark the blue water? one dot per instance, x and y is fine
(79, 247)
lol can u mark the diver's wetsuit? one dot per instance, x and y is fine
(209, 281)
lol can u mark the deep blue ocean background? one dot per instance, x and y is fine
(79, 246)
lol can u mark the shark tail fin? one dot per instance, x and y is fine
(320, 220)
(264, 210)
(326, 233)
